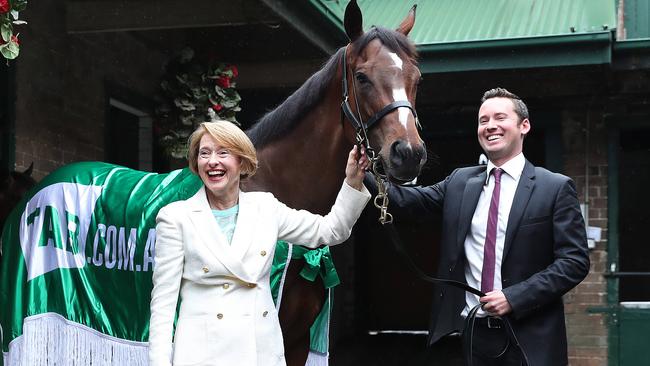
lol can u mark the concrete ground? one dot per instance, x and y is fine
(396, 349)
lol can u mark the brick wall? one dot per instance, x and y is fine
(585, 144)
(61, 86)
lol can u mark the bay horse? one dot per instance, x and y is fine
(303, 144)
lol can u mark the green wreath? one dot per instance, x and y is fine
(191, 94)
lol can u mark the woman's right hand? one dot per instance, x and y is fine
(356, 167)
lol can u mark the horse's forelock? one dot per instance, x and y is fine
(393, 40)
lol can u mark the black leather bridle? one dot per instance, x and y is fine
(361, 128)
(361, 134)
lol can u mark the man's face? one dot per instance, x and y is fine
(500, 133)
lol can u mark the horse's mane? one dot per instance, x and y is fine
(283, 118)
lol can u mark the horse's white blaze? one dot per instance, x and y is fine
(396, 60)
(400, 94)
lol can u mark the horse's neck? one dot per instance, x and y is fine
(306, 168)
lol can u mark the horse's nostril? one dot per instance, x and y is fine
(397, 152)
(403, 151)
(405, 160)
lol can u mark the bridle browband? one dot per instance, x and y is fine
(381, 202)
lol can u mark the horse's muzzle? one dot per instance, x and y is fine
(405, 161)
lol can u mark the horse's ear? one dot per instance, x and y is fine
(353, 21)
(28, 172)
(407, 23)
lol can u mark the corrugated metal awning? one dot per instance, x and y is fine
(462, 35)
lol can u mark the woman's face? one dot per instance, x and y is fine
(219, 170)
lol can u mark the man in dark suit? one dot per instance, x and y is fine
(511, 229)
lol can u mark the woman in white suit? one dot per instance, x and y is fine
(215, 250)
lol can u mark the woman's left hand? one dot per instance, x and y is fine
(355, 170)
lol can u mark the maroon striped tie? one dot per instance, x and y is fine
(487, 273)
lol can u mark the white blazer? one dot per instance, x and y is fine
(227, 316)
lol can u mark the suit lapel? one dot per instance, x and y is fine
(520, 201)
(212, 238)
(468, 204)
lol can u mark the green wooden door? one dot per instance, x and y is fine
(634, 327)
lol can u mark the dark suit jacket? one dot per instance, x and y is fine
(545, 253)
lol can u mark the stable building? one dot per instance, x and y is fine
(83, 86)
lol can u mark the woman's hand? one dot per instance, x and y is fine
(355, 170)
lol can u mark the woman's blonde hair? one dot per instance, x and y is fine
(230, 137)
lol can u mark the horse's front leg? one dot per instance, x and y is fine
(302, 301)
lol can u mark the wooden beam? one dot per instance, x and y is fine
(90, 16)
(307, 20)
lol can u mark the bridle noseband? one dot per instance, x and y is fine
(361, 135)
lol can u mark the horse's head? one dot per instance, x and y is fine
(13, 186)
(382, 79)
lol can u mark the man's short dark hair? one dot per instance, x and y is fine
(520, 106)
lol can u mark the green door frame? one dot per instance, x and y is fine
(612, 244)
(615, 313)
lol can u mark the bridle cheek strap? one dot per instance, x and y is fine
(347, 110)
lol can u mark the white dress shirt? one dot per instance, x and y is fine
(475, 240)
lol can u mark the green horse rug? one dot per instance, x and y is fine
(76, 259)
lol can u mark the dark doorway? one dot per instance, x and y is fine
(122, 138)
(629, 346)
(129, 136)
(634, 217)
(7, 132)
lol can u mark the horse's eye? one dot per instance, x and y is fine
(419, 80)
(362, 78)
